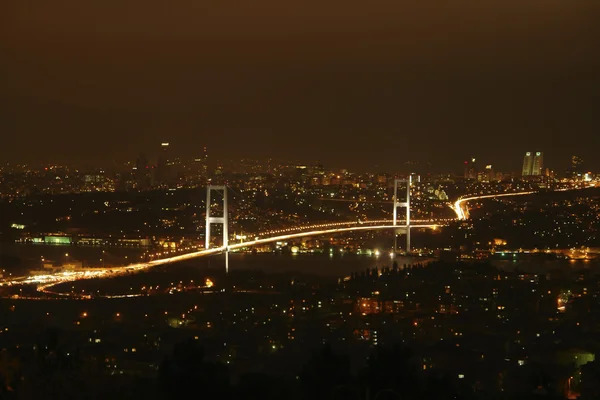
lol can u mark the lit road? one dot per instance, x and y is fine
(356, 201)
(460, 205)
(462, 212)
(327, 232)
(381, 222)
(44, 282)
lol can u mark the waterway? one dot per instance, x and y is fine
(331, 266)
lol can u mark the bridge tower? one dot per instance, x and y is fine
(404, 204)
(218, 220)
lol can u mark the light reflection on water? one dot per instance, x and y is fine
(538, 266)
(318, 264)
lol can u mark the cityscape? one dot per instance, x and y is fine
(387, 201)
(494, 295)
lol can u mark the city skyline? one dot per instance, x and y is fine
(158, 155)
(445, 82)
(300, 200)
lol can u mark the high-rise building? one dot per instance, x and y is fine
(200, 167)
(205, 164)
(489, 173)
(162, 164)
(538, 164)
(577, 169)
(143, 173)
(533, 163)
(470, 169)
(576, 162)
(527, 164)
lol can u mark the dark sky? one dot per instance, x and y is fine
(351, 83)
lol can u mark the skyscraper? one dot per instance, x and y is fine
(538, 164)
(527, 164)
(205, 164)
(489, 173)
(143, 175)
(201, 167)
(162, 164)
(577, 168)
(533, 164)
(470, 169)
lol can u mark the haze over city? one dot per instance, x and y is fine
(354, 85)
(304, 201)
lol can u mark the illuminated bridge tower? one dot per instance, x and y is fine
(405, 204)
(218, 220)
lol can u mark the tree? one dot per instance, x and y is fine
(259, 386)
(57, 371)
(186, 373)
(10, 375)
(590, 381)
(323, 373)
(392, 369)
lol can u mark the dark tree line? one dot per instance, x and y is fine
(394, 372)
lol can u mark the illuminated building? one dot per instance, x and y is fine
(577, 169)
(58, 239)
(533, 164)
(205, 164)
(538, 163)
(470, 169)
(527, 164)
(366, 306)
(576, 162)
(489, 172)
(199, 168)
(162, 164)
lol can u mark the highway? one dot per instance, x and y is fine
(46, 281)
(461, 210)
(380, 222)
(356, 201)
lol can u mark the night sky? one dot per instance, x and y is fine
(351, 83)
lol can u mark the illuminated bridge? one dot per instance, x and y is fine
(45, 281)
